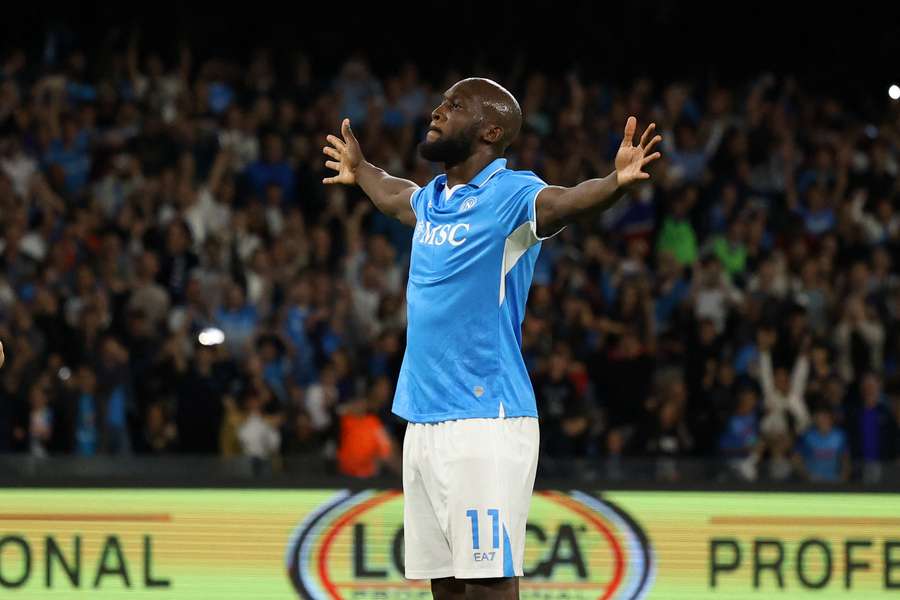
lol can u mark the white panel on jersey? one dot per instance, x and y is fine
(534, 223)
(518, 242)
(448, 191)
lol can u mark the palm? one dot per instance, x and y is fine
(346, 154)
(631, 159)
(345, 175)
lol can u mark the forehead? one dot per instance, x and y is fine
(460, 90)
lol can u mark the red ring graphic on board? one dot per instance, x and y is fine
(352, 547)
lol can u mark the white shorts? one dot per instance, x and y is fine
(467, 489)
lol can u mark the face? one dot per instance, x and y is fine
(668, 264)
(85, 279)
(737, 230)
(726, 374)
(381, 392)
(823, 421)
(820, 355)
(253, 403)
(235, 296)
(274, 148)
(177, 239)
(810, 272)
(454, 128)
(111, 351)
(38, 398)
(86, 379)
(274, 194)
(746, 402)
(629, 296)
(677, 393)
(782, 380)
(834, 392)
(557, 366)
(668, 414)
(870, 390)
(327, 375)
(268, 352)
(815, 199)
(70, 130)
(155, 418)
(712, 273)
(301, 293)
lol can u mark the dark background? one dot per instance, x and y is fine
(851, 49)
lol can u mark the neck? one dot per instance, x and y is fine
(465, 171)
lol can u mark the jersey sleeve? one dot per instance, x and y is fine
(519, 207)
(414, 199)
(418, 197)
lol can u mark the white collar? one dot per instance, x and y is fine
(449, 191)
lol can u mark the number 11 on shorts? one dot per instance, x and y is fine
(494, 513)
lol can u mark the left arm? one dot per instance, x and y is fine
(797, 404)
(559, 206)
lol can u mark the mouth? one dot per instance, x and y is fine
(433, 132)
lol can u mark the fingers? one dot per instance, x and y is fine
(652, 143)
(336, 142)
(333, 165)
(630, 126)
(646, 160)
(328, 150)
(646, 135)
(347, 132)
(330, 180)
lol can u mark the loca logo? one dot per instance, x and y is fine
(438, 235)
(352, 547)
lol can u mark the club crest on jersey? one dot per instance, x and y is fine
(468, 204)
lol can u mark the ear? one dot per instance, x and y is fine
(492, 134)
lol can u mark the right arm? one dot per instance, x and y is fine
(390, 194)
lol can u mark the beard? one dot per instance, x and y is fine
(447, 149)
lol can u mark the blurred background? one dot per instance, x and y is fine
(179, 291)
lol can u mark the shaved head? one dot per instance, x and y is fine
(499, 107)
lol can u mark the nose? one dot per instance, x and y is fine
(438, 113)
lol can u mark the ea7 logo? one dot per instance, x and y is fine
(437, 235)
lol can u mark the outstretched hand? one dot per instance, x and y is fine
(346, 153)
(631, 159)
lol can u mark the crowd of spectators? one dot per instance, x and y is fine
(743, 307)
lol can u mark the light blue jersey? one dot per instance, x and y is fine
(473, 256)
